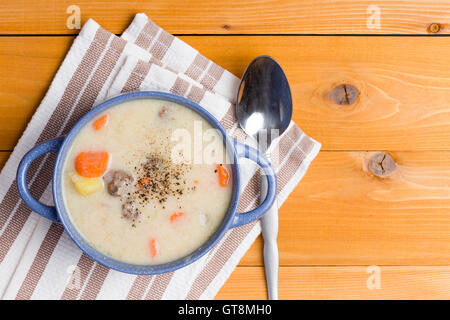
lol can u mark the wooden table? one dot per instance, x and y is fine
(342, 218)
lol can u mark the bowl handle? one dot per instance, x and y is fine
(48, 212)
(245, 151)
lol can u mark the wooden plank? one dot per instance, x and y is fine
(408, 282)
(27, 71)
(4, 155)
(403, 101)
(225, 17)
(341, 214)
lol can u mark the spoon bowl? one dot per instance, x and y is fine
(264, 100)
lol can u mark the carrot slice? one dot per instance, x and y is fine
(176, 216)
(223, 175)
(91, 164)
(154, 247)
(100, 122)
(144, 181)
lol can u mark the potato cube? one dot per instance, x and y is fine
(86, 186)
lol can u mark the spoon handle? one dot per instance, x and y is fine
(269, 224)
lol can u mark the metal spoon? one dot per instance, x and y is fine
(264, 107)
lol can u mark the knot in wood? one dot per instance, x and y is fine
(434, 28)
(344, 94)
(382, 165)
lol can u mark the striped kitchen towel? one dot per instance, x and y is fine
(37, 258)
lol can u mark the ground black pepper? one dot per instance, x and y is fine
(157, 179)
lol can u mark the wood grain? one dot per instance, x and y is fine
(27, 71)
(407, 282)
(342, 214)
(4, 155)
(231, 17)
(403, 93)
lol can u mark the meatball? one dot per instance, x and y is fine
(117, 181)
(129, 210)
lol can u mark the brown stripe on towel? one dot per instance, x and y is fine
(229, 119)
(285, 143)
(197, 67)
(294, 161)
(161, 45)
(85, 266)
(13, 229)
(307, 145)
(145, 37)
(100, 76)
(138, 288)
(95, 282)
(40, 262)
(136, 77)
(212, 76)
(159, 286)
(196, 94)
(250, 194)
(179, 87)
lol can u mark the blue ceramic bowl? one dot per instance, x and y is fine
(59, 213)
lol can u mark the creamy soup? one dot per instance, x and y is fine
(147, 181)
